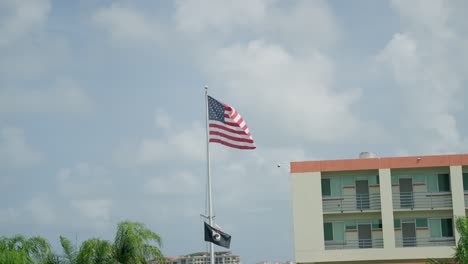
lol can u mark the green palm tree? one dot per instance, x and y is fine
(96, 251)
(19, 250)
(132, 244)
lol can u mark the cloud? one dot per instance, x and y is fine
(84, 181)
(424, 61)
(181, 183)
(15, 152)
(174, 143)
(66, 97)
(22, 17)
(93, 209)
(207, 15)
(127, 24)
(292, 96)
(303, 24)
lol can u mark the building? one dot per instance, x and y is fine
(222, 257)
(378, 210)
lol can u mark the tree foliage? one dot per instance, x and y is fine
(133, 244)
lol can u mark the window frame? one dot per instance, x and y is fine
(440, 225)
(330, 179)
(333, 231)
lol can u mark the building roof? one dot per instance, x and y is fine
(379, 163)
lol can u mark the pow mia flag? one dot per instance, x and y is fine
(216, 236)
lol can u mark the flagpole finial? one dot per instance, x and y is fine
(206, 87)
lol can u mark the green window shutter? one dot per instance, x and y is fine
(394, 179)
(348, 180)
(419, 178)
(328, 231)
(444, 182)
(447, 227)
(432, 183)
(421, 222)
(465, 181)
(336, 186)
(396, 223)
(350, 225)
(434, 228)
(338, 231)
(376, 223)
(326, 190)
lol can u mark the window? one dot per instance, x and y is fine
(333, 231)
(331, 186)
(444, 182)
(465, 181)
(395, 179)
(328, 231)
(326, 188)
(397, 223)
(374, 180)
(441, 227)
(350, 225)
(377, 223)
(438, 182)
(421, 222)
(419, 178)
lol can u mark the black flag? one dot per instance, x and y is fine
(216, 236)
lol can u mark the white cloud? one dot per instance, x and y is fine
(67, 96)
(182, 182)
(127, 24)
(15, 152)
(292, 96)
(299, 24)
(83, 181)
(187, 144)
(93, 209)
(424, 60)
(22, 17)
(197, 16)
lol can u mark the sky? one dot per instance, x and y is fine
(102, 108)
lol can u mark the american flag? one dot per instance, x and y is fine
(227, 127)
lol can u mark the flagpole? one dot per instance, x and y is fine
(210, 205)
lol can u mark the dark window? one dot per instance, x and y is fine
(465, 181)
(444, 182)
(326, 188)
(447, 227)
(328, 231)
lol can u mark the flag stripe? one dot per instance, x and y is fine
(230, 130)
(231, 141)
(215, 140)
(240, 139)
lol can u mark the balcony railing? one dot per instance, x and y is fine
(346, 203)
(466, 199)
(354, 244)
(425, 242)
(412, 200)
